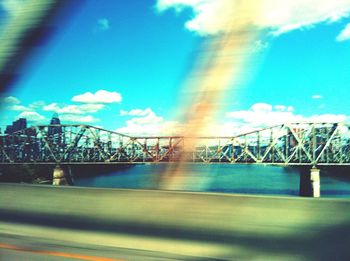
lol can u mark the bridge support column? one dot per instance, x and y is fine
(315, 182)
(59, 177)
(310, 185)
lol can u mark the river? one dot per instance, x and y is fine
(224, 178)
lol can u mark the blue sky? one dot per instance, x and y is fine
(120, 65)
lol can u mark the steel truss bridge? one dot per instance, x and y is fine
(286, 144)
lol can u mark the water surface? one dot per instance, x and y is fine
(227, 178)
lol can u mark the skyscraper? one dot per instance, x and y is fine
(17, 125)
(53, 130)
(55, 120)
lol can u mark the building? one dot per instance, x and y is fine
(53, 130)
(55, 119)
(17, 125)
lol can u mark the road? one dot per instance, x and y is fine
(72, 223)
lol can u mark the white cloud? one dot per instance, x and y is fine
(280, 107)
(262, 115)
(32, 116)
(345, 34)
(263, 118)
(328, 118)
(316, 96)
(78, 118)
(152, 129)
(259, 46)
(136, 112)
(74, 109)
(100, 96)
(103, 24)
(178, 5)
(10, 100)
(19, 108)
(51, 107)
(144, 117)
(258, 116)
(146, 122)
(275, 15)
(37, 105)
(261, 107)
(148, 119)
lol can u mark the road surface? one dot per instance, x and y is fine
(72, 223)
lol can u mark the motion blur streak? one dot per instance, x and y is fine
(219, 66)
(24, 28)
(59, 254)
(135, 224)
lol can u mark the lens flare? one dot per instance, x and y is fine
(218, 68)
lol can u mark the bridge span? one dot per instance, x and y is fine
(299, 144)
(311, 144)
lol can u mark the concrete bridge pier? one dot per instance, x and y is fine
(310, 185)
(315, 182)
(59, 176)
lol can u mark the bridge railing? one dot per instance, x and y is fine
(287, 144)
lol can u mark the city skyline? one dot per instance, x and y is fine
(122, 66)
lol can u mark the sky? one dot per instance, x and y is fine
(121, 65)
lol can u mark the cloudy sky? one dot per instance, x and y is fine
(120, 65)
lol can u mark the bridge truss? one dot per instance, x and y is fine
(285, 144)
